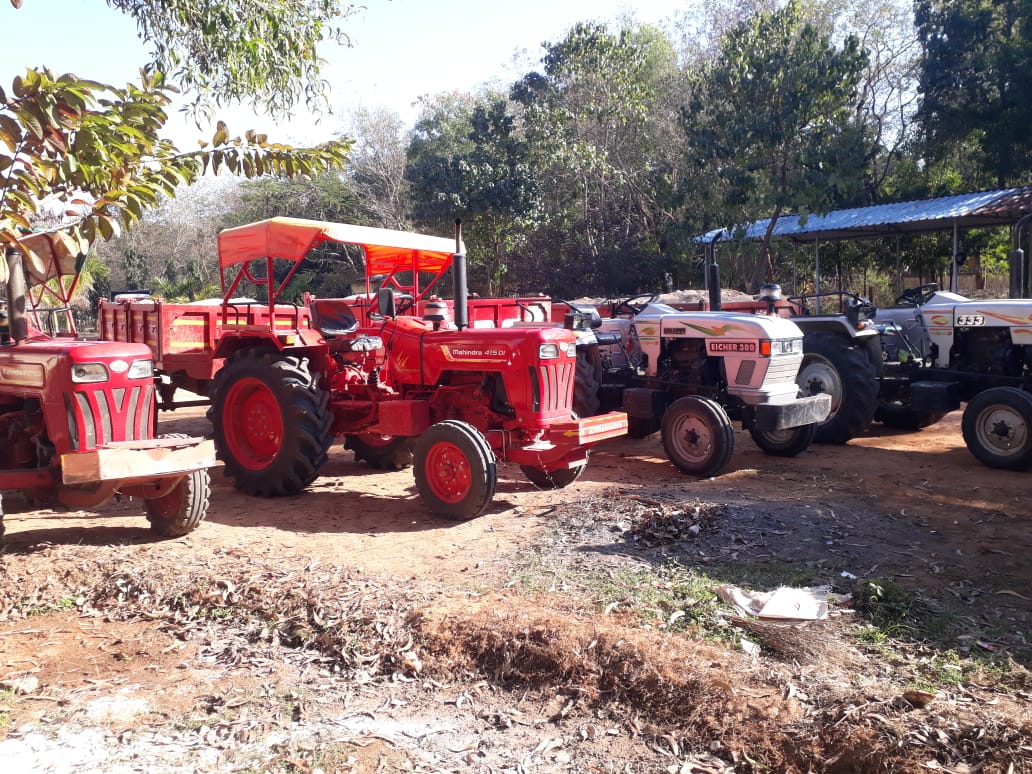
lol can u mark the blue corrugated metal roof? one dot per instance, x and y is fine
(974, 210)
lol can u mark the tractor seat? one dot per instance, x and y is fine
(333, 318)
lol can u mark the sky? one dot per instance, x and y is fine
(401, 49)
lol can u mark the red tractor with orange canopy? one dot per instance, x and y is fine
(399, 372)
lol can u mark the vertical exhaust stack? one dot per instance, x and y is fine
(461, 291)
(16, 294)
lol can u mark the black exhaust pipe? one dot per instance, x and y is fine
(461, 291)
(17, 320)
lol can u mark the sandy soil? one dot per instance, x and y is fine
(915, 508)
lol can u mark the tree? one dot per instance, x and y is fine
(95, 150)
(598, 121)
(472, 164)
(377, 165)
(976, 81)
(773, 121)
(261, 52)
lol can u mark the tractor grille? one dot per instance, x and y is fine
(782, 369)
(117, 414)
(551, 384)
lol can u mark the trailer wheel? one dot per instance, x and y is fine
(698, 436)
(785, 443)
(272, 423)
(455, 470)
(555, 479)
(846, 373)
(383, 452)
(997, 428)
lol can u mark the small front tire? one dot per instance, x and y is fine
(997, 428)
(555, 479)
(455, 470)
(180, 511)
(785, 443)
(698, 436)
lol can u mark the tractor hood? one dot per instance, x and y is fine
(663, 320)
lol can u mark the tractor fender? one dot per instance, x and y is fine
(305, 346)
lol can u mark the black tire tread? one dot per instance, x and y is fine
(307, 417)
(859, 380)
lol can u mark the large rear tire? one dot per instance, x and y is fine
(845, 372)
(272, 423)
(455, 470)
(383, 452)
(997, 428)
(698, 436)
(588, 382)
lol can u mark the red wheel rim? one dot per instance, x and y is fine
(254, 424)
(167, 506)
(448, 472)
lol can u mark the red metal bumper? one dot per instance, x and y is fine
(578, 432)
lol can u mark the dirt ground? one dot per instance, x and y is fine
(118, 683)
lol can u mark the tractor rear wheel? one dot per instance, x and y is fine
(698, 436)
(180, 511)
(383, 452)
(455, 470)
(588, 381)
(997, 428)
(845, 372)
(273, 425)
(555, 479)
(784, 443)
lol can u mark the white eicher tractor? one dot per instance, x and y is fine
(942, 349)
(688, 374)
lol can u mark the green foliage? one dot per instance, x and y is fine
(96, 149)
(475, 167)
(771, 120)
(976, 81)
(262, 52)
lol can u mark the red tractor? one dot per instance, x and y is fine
(77, 417)
(399, 373)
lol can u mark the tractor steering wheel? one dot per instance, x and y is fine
(633, 305)
(918, 296)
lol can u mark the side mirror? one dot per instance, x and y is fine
(385, 302)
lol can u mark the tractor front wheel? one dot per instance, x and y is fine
(784, 443)
(180, 511)
(383, 452)
(272, 423)
(997, 428)
(698, 436)
(455, 470)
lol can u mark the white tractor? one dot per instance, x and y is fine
(942, 349)
(689, 374)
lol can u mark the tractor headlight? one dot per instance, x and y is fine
(548, 351)
(88, 373)
(141, 369)
(786, 347)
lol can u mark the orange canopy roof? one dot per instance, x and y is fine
(291, 239)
